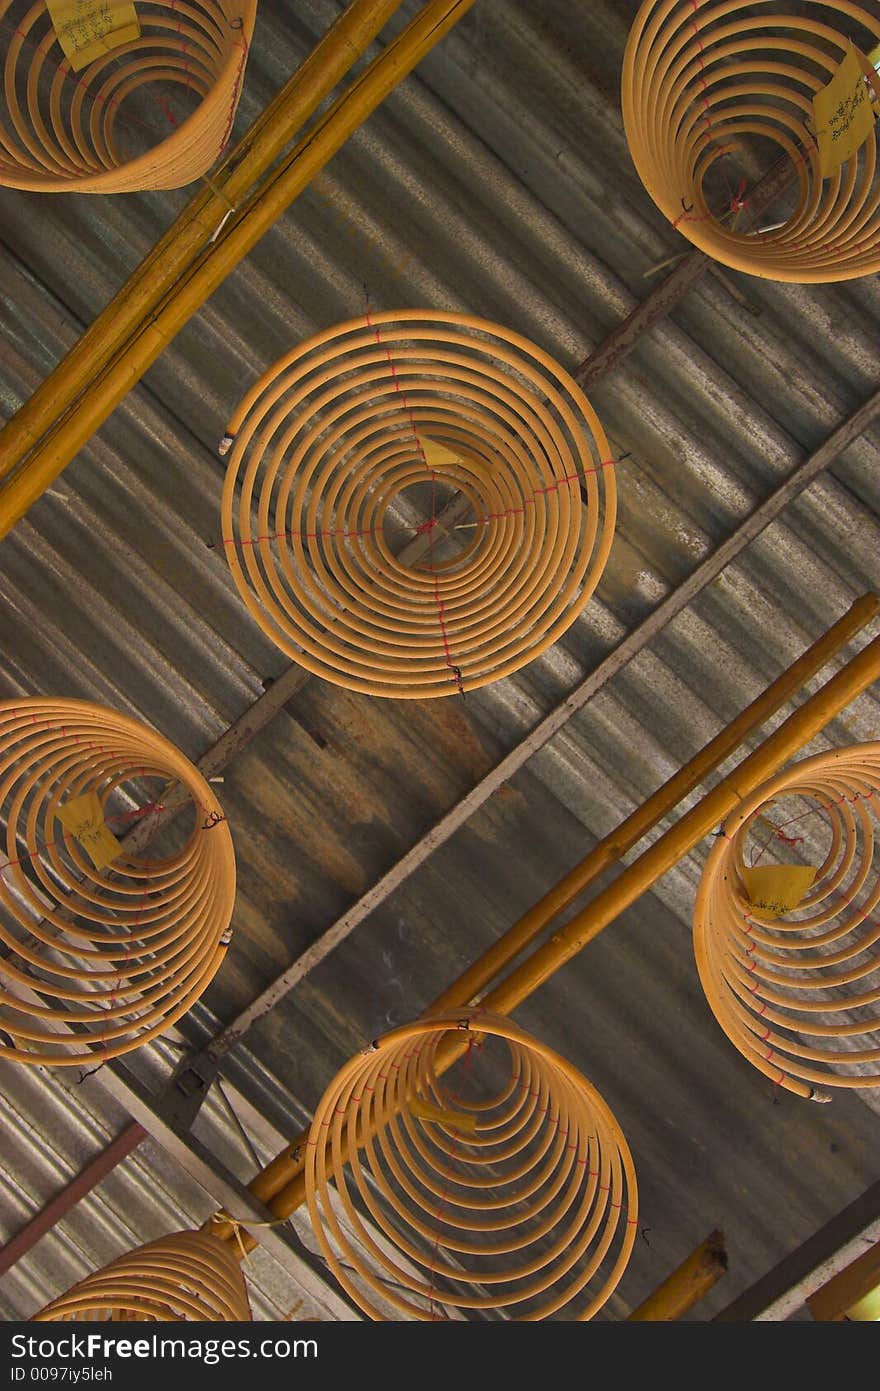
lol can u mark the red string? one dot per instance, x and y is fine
(397, 387)
(235, 95)
(455, 1096)
(735, 201)
(428, 527)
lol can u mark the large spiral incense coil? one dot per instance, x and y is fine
(706, 80)
(504, 1187)
(327, 443)
(797, 989)
(183, 1278)
(67, 131)
(102, 948)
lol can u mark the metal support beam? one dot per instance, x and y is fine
(282, 1182)
(787, 1287)
(639, 638)
(230, 1194)
(96, 1170)
(614, 846)
(854, 1293)
(687, 1285)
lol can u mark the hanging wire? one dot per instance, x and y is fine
(245, 1138)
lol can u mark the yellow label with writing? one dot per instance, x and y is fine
(87, 29)
(842, 114)
(455, 1120)
(83, 817)
(777, 889)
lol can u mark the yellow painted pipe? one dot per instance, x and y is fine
(800, 727)
(686, 1285)
(240, 234)
(613, 846)
(705, 817)
(285, 1166)
(190, 233)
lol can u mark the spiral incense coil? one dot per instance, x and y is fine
(331, 437)
(65, 131)
(522, 1200)
(798, 993)
(702, 80)
(184, 1278)
(95, 961)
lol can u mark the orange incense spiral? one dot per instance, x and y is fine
(703, 78)
(64, 131)
(97, 961)
(522, 1200)
(799, 994)
(183, 1278)
(329, 438)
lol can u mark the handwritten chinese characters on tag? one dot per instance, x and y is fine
(83, 817)
(843, 115)
(87, 29)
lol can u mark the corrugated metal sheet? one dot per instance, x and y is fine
(495, 180)
(53, 1125)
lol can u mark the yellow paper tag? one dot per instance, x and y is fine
(84, 819)
(87, 29)
(777, 889)
(455, 1120)
(842, 114)
(439, 454)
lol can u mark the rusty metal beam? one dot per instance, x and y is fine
(83, 1183)
(665, 296)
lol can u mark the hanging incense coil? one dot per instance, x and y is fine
(327, 443)
(102, 948)
(703, 81)
(186, 1277)
(66, 131)
(795, 984)
(522, 1198)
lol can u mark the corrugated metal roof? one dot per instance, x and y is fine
(495, 180)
